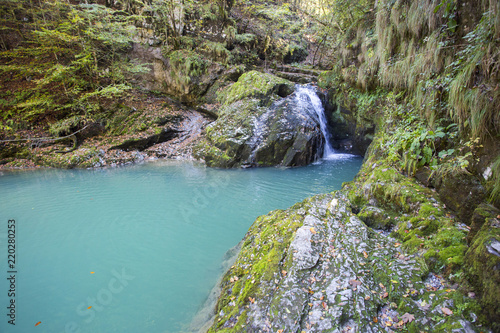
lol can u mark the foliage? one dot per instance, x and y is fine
(79, 61)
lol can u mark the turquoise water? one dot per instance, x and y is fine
(154, 236)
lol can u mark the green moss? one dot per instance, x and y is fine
(481, 267)
(256, 85)
(261, 256)
(186, 64)
(215, 51)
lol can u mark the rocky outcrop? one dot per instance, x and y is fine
(140, 144)
(482, 260)
(183, 74)
(260, 123)
(317, 267)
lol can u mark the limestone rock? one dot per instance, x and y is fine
(317, 267)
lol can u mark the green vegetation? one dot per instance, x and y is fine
(424, 73)
(428, 80)
(70, 61)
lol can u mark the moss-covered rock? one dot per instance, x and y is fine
(316, 267)
(482, 265)
(257, 126)
(481, 214)
(461, 193)
(375, 217)
(258, 85)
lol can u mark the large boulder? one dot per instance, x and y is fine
(316, 267)
(261, 123)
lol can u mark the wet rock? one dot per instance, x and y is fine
(260, 124)
(347, 125)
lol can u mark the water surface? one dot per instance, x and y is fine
(140, 245)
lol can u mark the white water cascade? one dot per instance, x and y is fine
(309, 100)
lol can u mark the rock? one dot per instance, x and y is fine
(347, 124)
(481, 214)
(184, 74)
(482, 266)
(375, 218)
(257, 85)
(255, 127)
(295, 53)
(461, 193)
(144, 143)
(316, 267)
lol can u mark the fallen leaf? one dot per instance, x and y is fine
(312, 230)
(375, 320)
(354, 282)
(388, 323)
(385, 295)
(447, 311)
(325, 306)
(283, 272)
(365, 254)
(381, 285)
(397, 244)
(252, 300)
(407, 318)
(90, 307)
(38, 323)
(367, 298)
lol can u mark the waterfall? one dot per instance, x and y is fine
(309, 100)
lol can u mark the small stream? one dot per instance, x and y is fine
(136, 248)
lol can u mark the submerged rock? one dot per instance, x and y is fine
(317, 267)
(261, 123)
